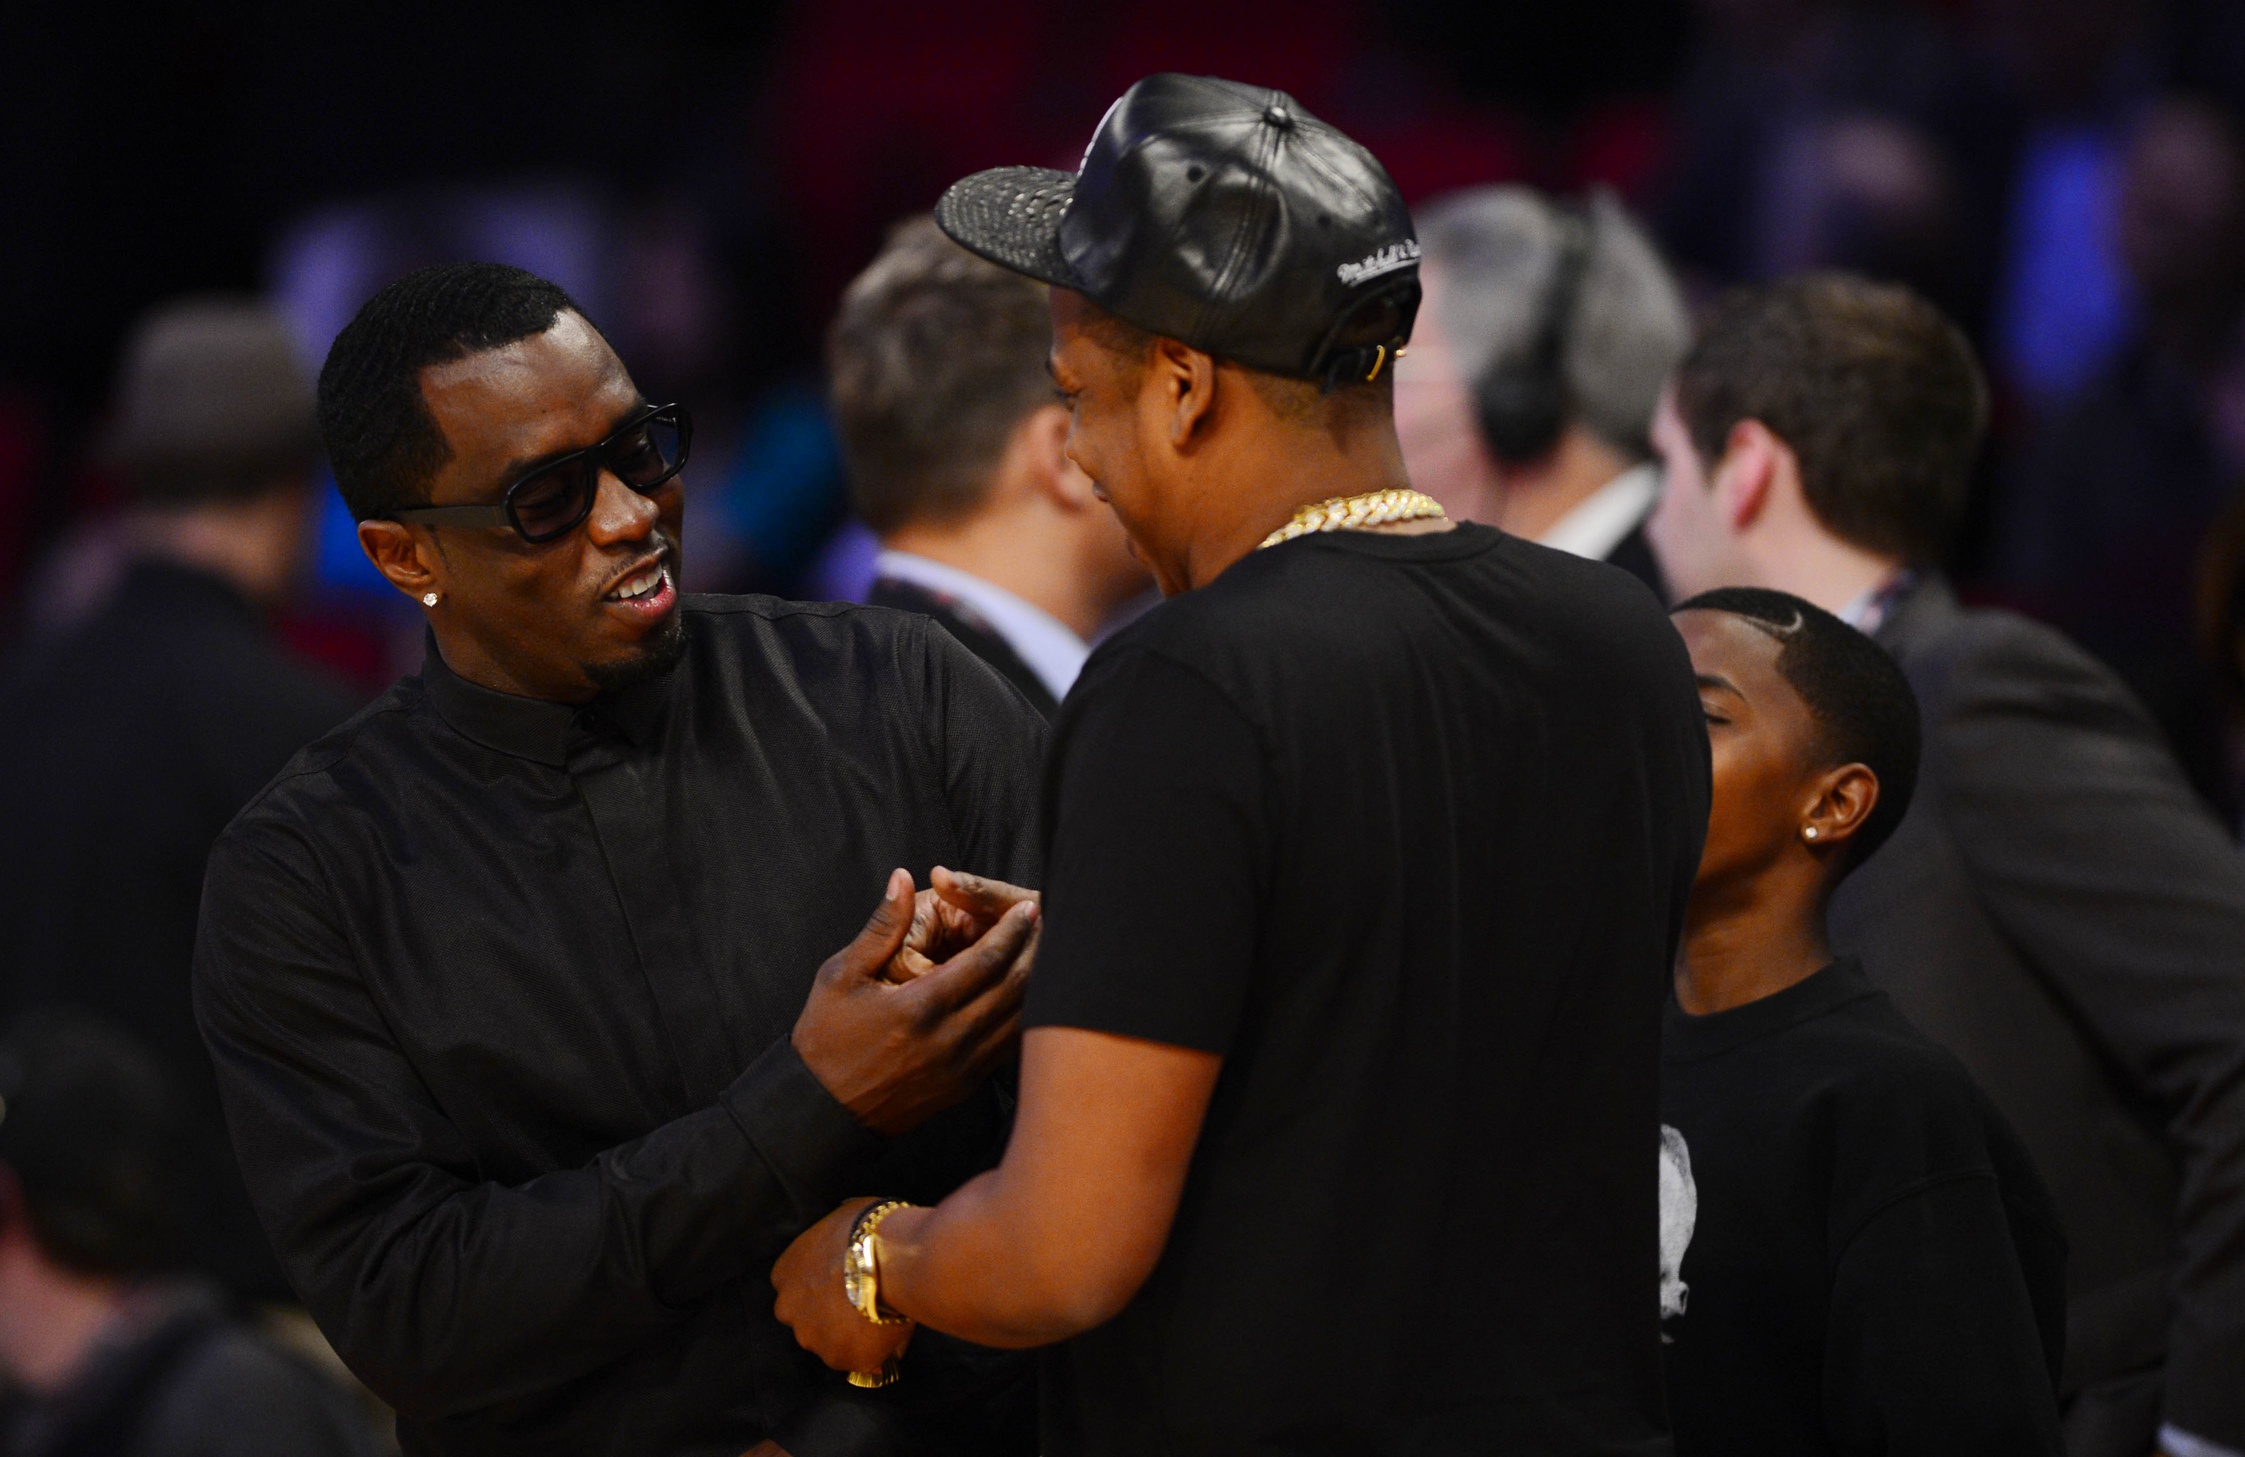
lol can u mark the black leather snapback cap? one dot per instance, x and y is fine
(1218, 214)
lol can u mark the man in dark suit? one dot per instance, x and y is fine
(956, 451)
(133, 736)
(2058, 908)
(1525, 401)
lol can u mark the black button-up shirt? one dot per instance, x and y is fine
(499, 991)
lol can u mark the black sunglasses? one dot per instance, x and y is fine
(553, 500)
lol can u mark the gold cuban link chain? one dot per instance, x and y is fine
(1354, 513)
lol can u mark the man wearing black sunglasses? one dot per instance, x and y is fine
(553, 498)
(518, 598)
(514, 983)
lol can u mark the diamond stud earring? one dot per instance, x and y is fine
(1807, 831)
(429, 599)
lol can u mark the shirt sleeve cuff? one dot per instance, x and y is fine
(808, 1140)
(2179, 1443)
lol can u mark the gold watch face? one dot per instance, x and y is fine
(853, 1276)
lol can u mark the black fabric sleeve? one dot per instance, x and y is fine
(1931, 1343)
(1156, 859)
(990, 745)
(445, 1292)
(2093, 855)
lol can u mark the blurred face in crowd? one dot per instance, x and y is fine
(2061, 51)
(2182, 206)
(564, 619)
(1688, 529)
(1769, 772)
(1434, 417)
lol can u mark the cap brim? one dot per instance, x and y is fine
(1011, 216)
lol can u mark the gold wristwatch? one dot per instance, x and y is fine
(861, 1274)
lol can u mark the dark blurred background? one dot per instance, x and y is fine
(2064, 175)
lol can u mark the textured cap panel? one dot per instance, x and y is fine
(1219, 214)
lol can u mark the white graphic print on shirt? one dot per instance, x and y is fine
(1679, 1212)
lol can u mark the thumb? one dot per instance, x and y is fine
(884, 931)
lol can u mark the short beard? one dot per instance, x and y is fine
(662, 652)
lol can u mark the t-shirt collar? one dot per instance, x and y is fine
(532, 728)
(1686, 1038)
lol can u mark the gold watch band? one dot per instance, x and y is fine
(861, 1272)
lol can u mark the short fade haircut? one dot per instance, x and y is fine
(933, 360)
(1499, 250)
(88, 1127)
(1874, 389)
(380, 437)
(1864, 710)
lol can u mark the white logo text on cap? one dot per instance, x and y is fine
(1387, 260)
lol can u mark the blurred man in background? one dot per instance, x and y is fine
(1528, 394)
(2102, 520)
(136, 735)
(955, 448)
(1822, 134)
(100, 1355)
(2057, 907)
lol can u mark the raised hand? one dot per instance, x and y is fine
(894, 1051)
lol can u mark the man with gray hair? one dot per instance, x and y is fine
(1527, 399)
(956, 449)
(135, 735)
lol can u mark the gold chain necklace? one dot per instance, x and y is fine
(1354, 513)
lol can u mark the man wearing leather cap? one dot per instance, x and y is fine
(1366, 856)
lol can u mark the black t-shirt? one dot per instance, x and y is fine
(1856, 1253)
(1402, 827)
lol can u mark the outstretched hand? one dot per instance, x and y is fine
(894, 1052)
(809, 1281)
